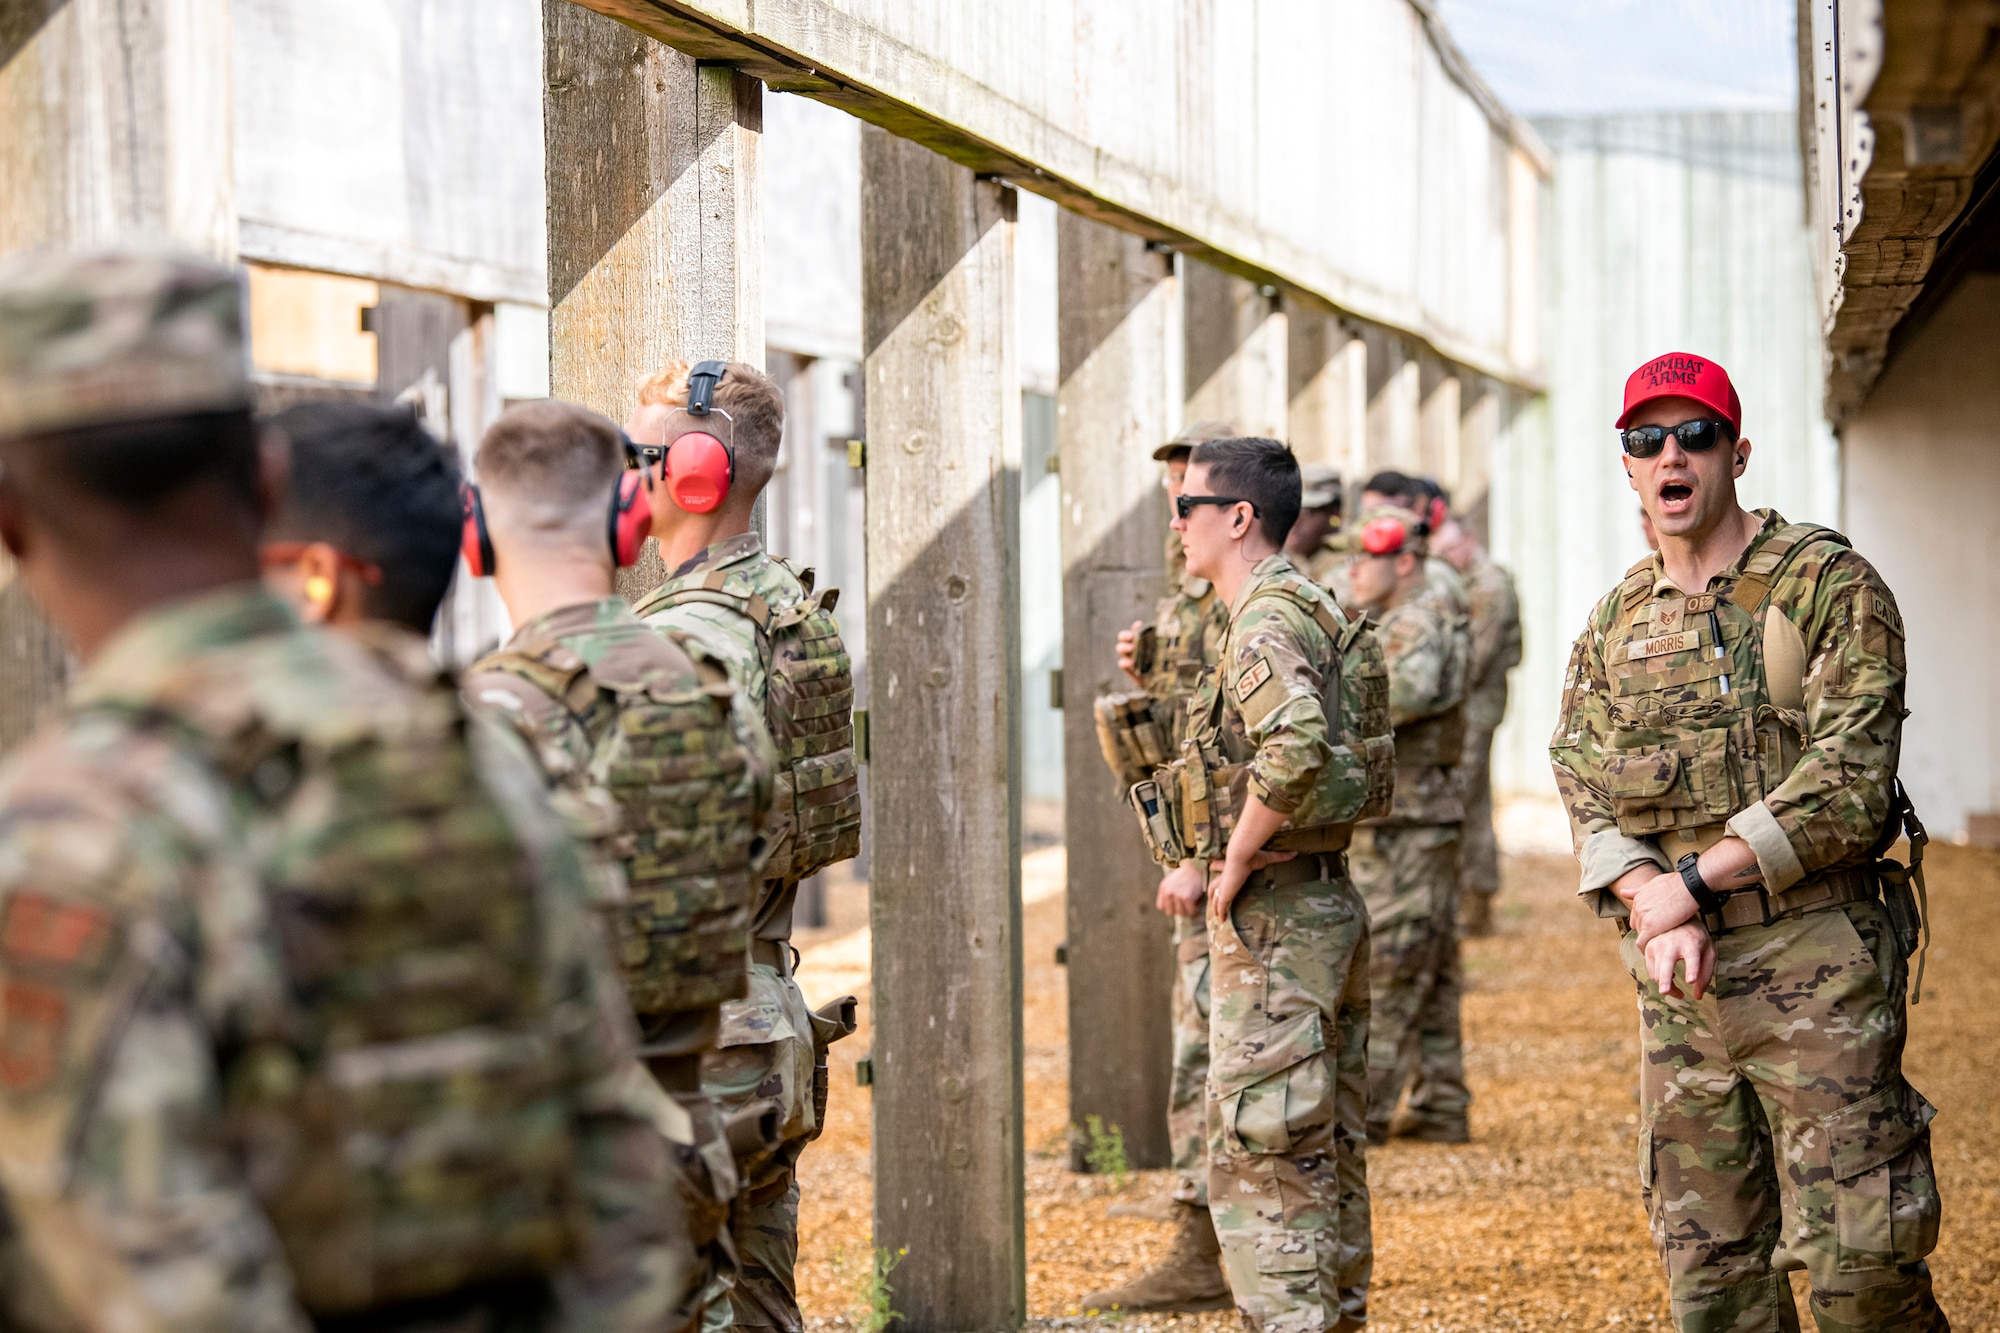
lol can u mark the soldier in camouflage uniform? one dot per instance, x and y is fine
(1287, 743)
(1426, 499)
(1730, 726)
(1496, 650)
(760, 618)
(1314, 544)
(304, 1020)
(1406, 863)
(1167, 665)
(664, 773)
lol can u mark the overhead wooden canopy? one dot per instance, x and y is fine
(1900, 108)
(1346, 152)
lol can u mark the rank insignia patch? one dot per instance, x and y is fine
(1247, 683)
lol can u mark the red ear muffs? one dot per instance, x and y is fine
(631, 517)
(473, 542)
(1382, 536)
(699, 470)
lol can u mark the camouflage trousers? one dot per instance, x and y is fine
(1287, 1104)
(1777, 1132)
(1187, 1094)
(1409, 879)
(1479, 850)
(705, 1179)
(764, 1053)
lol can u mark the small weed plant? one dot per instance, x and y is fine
(877, 1296)
(1106, 1152)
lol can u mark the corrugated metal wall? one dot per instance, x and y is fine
(1664, 233)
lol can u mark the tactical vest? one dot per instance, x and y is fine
(1707, 698)
(1174, 666)
(1438, 740)
(1189, 809)
(809, 709)
(680, 778)
(405, 1107)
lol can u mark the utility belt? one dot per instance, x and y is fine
(1305, 868)
(1178, 828)
(1899, 887)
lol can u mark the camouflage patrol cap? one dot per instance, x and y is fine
(1319, 486)
(1200, 432)
(87, 339)
(1390, 530)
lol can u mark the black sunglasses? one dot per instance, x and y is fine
(1184, 504)
(1697, 437)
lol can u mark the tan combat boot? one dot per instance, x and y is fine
(1188, 1277)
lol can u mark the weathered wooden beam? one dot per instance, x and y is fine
(1237, 346)
(116, 130)
(853, 58)
(1439, 449)
(656, 231)
(1327, 367)
(944, 448)
(1395, 398)
(1119, 319)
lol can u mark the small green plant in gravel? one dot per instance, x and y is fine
(876, 1293)
(1106, 1152)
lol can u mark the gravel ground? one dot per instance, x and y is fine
(1534, 1225)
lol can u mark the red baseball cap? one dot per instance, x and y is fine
(1683, 375)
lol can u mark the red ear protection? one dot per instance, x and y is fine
(1382, 536)
(630, 519)
(698, 466)
(699, 469)
(473, 542)
(627, 524)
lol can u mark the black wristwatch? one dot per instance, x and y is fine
(1705, 898)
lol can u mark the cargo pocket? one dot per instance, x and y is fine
(1274, 1086)
(1885, 1198)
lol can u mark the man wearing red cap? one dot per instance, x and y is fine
(1730, 727)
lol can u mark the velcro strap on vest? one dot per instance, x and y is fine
(554, 670)
(1769, 563)
(714, 589)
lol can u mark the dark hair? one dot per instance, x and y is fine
(1412, 491)
(373, 482)
(1264, 472)
(136, 464)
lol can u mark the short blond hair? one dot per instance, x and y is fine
(754, 405)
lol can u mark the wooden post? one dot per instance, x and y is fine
(1236, 351)
(1479, 437)
(1328, 373)
(117, 130)
(1437, 420)
(1394, 401)
(1119, 396)
(656, 233)
(944, 448)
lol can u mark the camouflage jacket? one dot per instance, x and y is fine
(1276, 675)
(1496, 642)
(1188, 629)
(1444, 582)
(1428, 647)
(140, 959)
(1663, 729)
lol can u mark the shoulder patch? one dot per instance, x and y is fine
(39, 931)
(1250, 679)
(34, 1019)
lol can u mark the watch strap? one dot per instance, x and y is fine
(1705, 898)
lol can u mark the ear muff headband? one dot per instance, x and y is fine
(474, 543)
(699, 467)
(630, 518)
